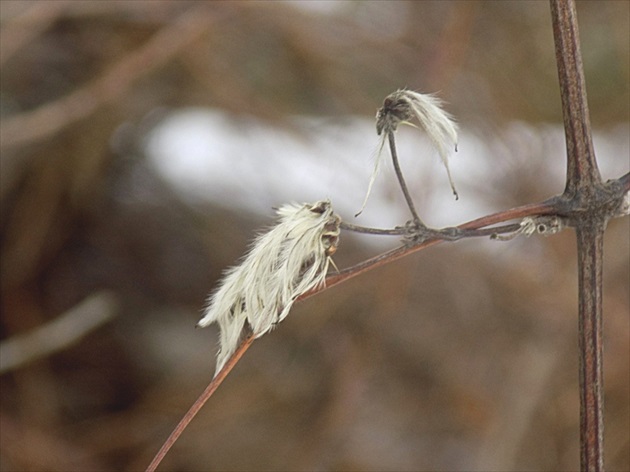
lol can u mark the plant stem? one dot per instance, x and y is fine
(590, 253)
(401, 180)
(377, 231)
(582, 170)
(200, 402)
(584, 195)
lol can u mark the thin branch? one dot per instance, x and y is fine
(492, 231)
(582, 170)
(533, 209)
(200, 402)
(590, 261)
(547, 207)
(587, 199)
(403, 185)
(445, 234)
(398, 231)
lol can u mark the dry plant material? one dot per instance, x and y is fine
(403, 106)
(546, 225)
(287, 261)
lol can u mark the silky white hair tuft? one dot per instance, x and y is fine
(287, 261)
(403, 106)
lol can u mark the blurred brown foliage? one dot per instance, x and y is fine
(455, 359)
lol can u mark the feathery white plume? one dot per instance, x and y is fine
(282, 264)
(401, 107)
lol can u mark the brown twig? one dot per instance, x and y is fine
(401, 179)
(534, 209)
(590, 254)
(398, 231)
(582, 171)
(586, 197)
(200, 402)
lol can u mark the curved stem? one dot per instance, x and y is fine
(401, 179)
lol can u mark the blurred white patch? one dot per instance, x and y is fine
(241, 162)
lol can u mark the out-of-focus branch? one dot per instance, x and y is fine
(60, 333)
(166, 43)
(21, 30)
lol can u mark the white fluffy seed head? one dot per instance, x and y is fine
(403, 106)
(287, 261)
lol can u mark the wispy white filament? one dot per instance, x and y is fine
(544, 224)
(282, 264)
(403, 106)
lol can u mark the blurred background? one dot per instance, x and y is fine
(144, 143)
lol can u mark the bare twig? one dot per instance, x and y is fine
(582, 171)
(403, 185)
(587, 200)
(590, 253)
(398, 231)
(533, 209)
(445, 234)
(200, 402)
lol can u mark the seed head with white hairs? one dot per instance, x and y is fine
(402, 106)
(289, 260)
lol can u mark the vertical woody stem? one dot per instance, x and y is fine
(583, 186)
(582, 170)
(590, 251)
